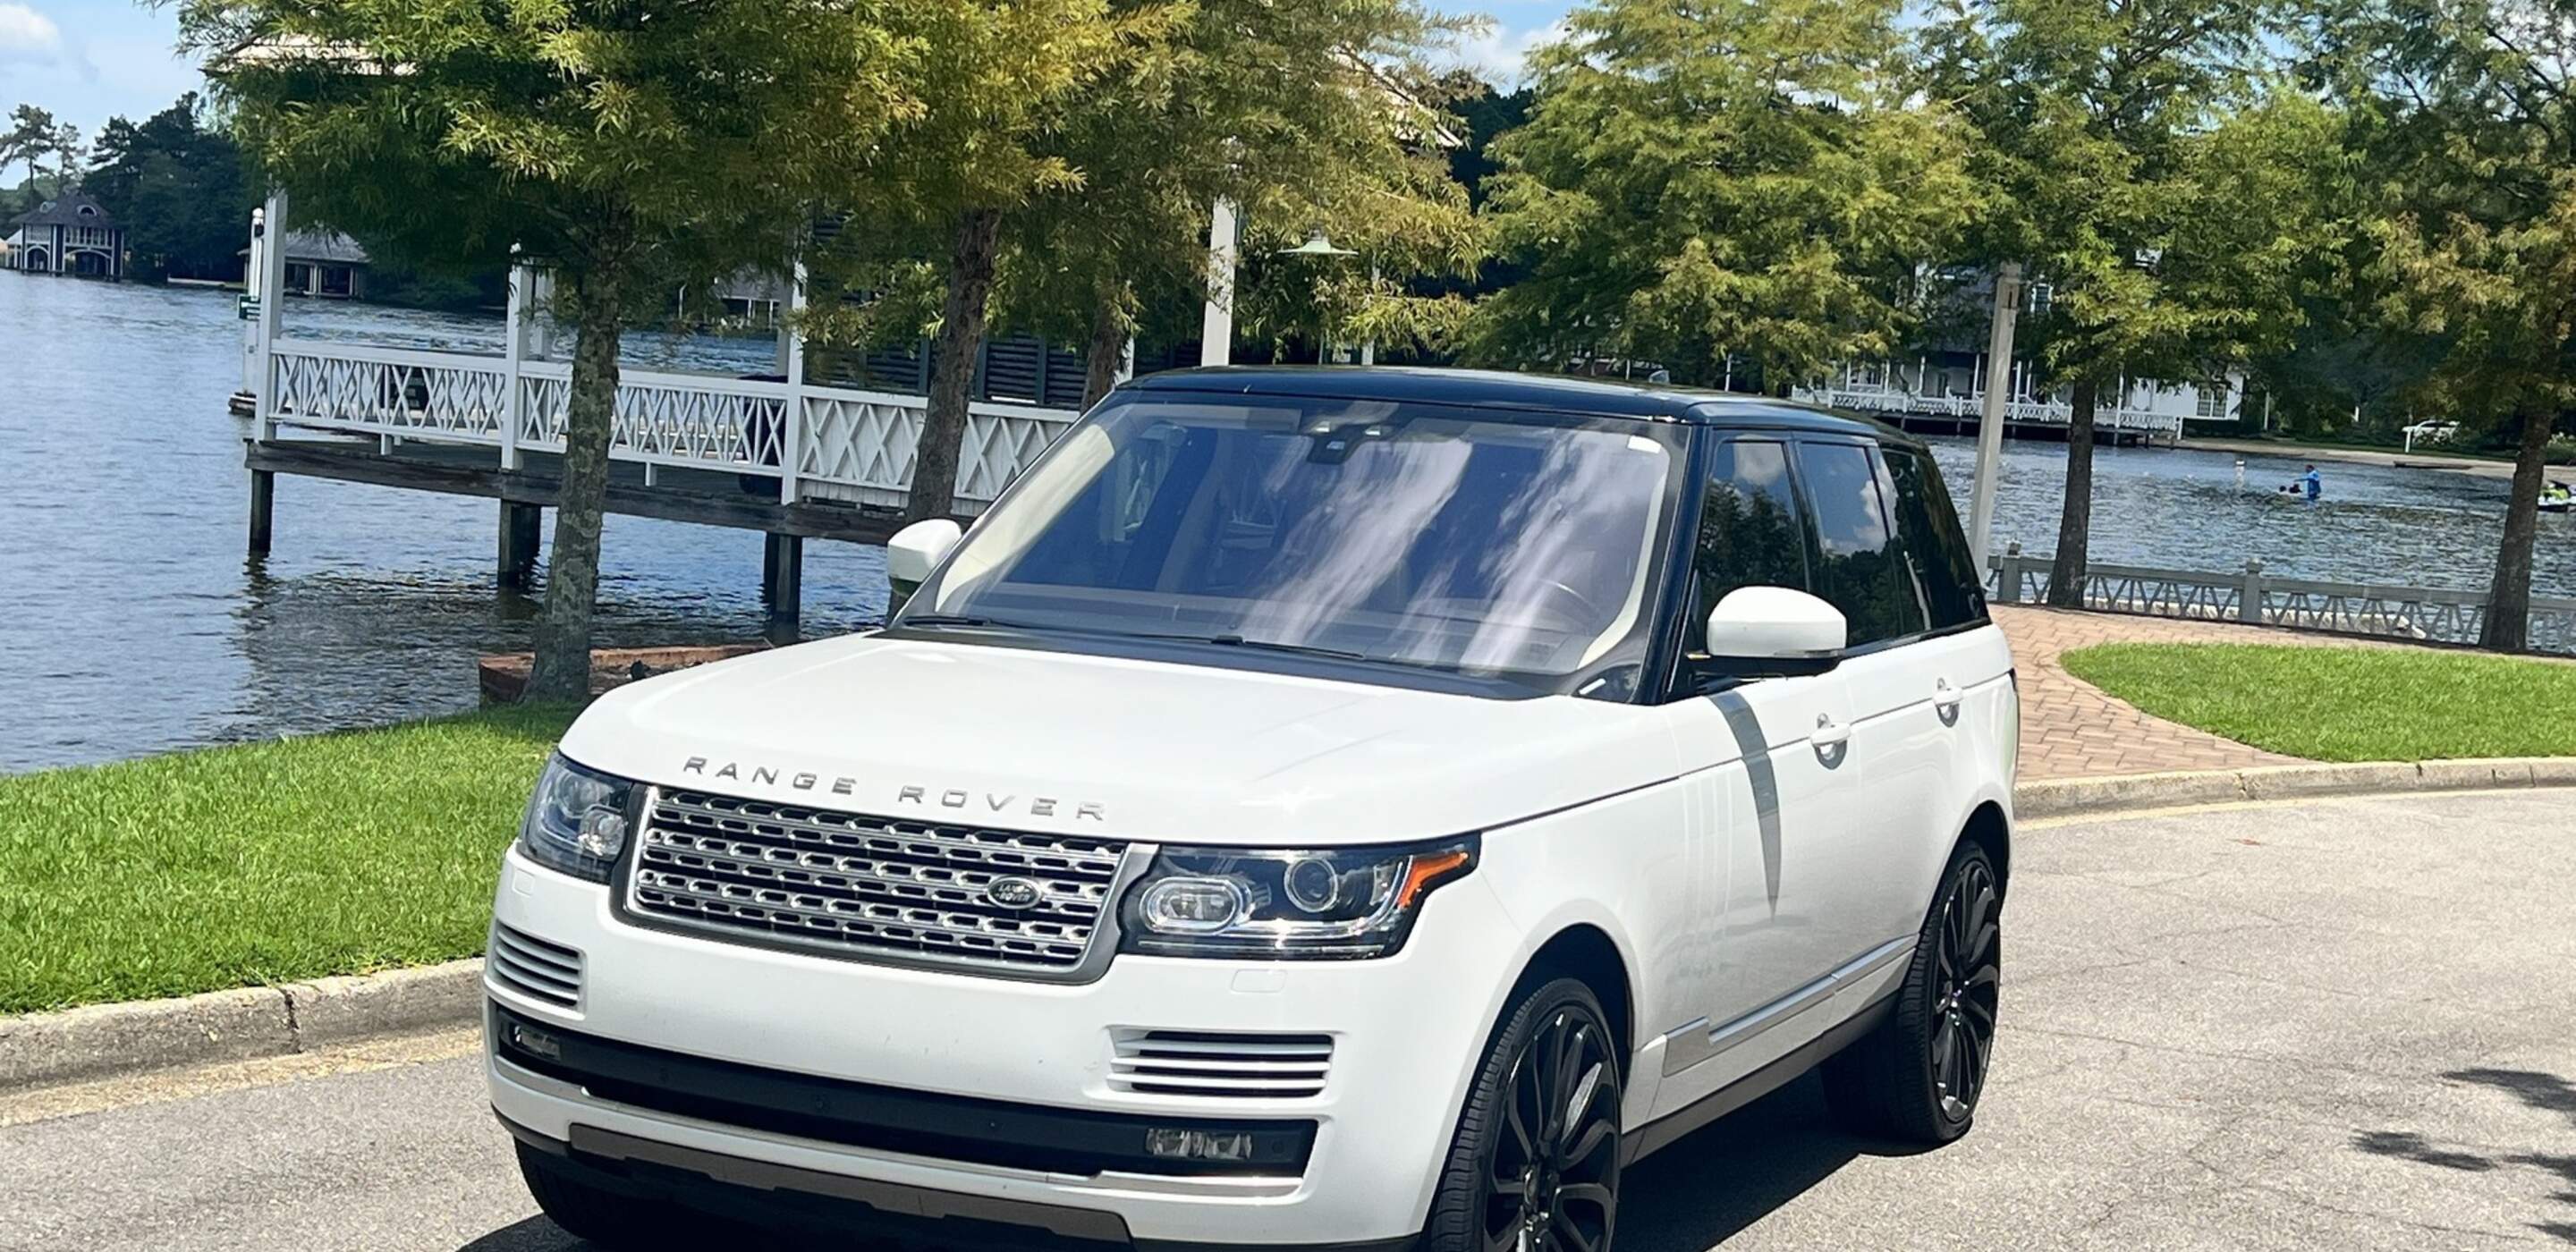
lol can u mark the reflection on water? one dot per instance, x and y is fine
(2185, 510)
(132, 623)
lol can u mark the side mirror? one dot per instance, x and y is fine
(1775, 632)
(914, 551)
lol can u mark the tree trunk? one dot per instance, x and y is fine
(2508, 623)
(952, 359)
(562, 668)
(1108, 350)
(2075, 521)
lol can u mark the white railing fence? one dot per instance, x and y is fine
(2427, 614)
(2150, 422)
(845, 444)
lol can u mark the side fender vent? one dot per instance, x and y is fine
(519, 962)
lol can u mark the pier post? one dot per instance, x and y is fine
(272, 317)
(263, 504)
(522, 526)
(791, 413)
(782, 577)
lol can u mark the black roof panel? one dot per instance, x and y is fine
(1553, 393)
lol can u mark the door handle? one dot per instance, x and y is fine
(1945, 699)
(1830, 734)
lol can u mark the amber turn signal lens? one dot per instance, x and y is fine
(1429, 871)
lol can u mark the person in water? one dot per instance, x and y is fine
(2315, 483)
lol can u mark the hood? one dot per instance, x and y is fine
(1024, 739)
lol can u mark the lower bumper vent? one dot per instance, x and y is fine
(1204, 1063)
(521, 962)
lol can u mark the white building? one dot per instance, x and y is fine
(69, 234)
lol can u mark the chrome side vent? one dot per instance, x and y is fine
(521, 962)
(1224, 1065)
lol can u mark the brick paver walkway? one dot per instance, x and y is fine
(2073, 729)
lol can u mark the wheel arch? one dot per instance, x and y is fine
(1988, 828)
(1586, 953)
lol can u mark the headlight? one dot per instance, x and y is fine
(1333, 902)
(577, 820)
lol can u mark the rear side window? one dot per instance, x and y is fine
(1861, 569)
(1750, 534)
(1928, 525)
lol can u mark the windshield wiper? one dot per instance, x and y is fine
(959, 619)
(1267, 645)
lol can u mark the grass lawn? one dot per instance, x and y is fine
(269, 862)
(2346, 704)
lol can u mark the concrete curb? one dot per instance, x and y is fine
(2069, 797)
(114, 1040)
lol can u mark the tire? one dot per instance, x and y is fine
(1518, 1164)
(594, 1214)
(1917, 1077)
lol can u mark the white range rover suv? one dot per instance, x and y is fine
(1325, 809)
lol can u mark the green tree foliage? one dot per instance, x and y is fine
(1307, 116)
(1700, 180)
(2139, 161)
(1007, 75)
(177, 189)
(32, 137)
(2470, 125)
(609, 139)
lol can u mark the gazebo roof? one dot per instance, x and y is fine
(71, 208)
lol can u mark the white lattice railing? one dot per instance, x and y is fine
(2030, 412)
(447, 397)
(843, 444)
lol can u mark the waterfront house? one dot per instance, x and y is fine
(324, 263)
(68, 234)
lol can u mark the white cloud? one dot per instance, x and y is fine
(1499, 54)
(26, 35)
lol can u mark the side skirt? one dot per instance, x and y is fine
(1662, 1132)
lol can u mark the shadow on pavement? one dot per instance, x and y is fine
(1706, 1188)
(2539, 1090)
(536, 1234)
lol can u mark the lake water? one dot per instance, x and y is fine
(133, 623)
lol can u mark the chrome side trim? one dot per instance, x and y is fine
(1691, 1044)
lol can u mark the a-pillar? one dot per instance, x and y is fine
(782, 578)
(522, 527)
(263, 504)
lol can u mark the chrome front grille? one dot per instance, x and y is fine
(871, 888)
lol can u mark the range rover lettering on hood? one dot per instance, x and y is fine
(912, 794)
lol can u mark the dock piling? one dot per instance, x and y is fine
(522, 529)
(263, 506)
(782, 577)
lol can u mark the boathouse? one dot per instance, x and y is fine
(68, 234)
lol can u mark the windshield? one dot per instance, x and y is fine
(1381, 531)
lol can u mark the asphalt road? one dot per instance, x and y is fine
(2343, 1024)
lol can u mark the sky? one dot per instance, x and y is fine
(89, 60)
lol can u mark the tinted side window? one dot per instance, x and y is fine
(1749, 531)
(1861, 570)
(1928, 524)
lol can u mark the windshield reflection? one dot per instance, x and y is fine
(1409, 534)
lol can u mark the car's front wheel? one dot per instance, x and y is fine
(1535, 1166)
(1918, 1076)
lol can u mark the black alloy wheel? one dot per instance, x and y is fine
(1968, 963)
(1917, 1075)
(1535, 1164)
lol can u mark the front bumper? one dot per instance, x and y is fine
(1406, 1032)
